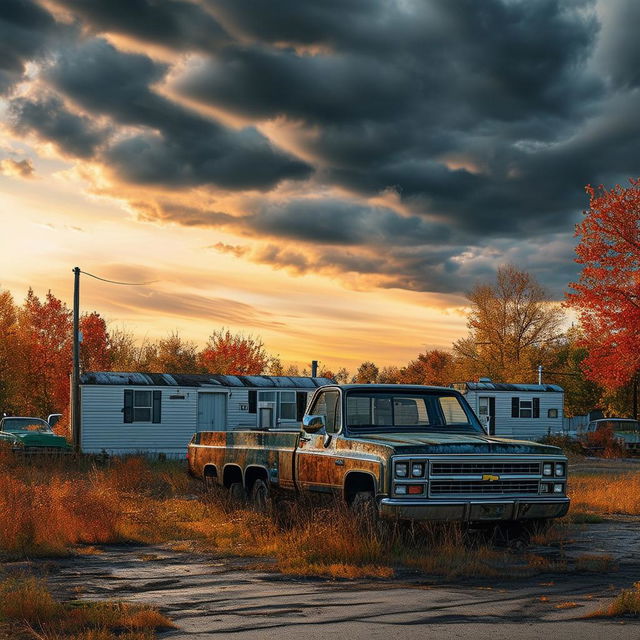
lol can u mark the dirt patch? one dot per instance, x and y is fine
(211, 597)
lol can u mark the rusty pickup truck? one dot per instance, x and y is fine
(400, 452)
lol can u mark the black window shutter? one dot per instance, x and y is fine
(515, 407)
(253, 401)
(536, 407)
(157, 401)
(301, 400)
(128, 405)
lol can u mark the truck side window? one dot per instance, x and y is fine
(328, 405)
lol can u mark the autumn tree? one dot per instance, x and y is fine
(173, 355)
(95, 349)
(9, 352)
(581, 395)
(45, 336)
(234, 354)
(607, 294)
(367, 373)
(389, 375)
(431, 367)
(512, 322)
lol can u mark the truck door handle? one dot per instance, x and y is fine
(339, 462)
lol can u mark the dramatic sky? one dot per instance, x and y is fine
(331, 175)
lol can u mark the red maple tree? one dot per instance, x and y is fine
(607, 295)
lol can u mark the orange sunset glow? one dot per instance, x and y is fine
(328, 183)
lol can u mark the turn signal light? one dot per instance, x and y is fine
(415, 489)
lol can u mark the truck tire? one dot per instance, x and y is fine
(237, 493)
(260, 496)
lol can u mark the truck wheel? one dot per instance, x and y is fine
(260, 496)
(237, 493)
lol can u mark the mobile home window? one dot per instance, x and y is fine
(142, 406)
(525, 407)
(288, 405)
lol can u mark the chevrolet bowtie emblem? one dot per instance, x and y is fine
(490, 478)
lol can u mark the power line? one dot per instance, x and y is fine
(128, 284)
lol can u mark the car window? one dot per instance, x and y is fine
(327, 404)
(13, 425)
(413, 411)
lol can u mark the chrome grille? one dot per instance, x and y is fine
(475, 468)
(482, 487)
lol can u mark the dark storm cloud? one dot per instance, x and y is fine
(484, 120)
(340, 222)
(327, 221)
(48, 118)
(24, 30)
(177, 146)
(170, 23)
(402, 86)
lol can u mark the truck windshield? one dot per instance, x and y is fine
(409, 411)
(14, 425)
(624, 426)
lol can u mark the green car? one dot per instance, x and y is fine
(32, 435)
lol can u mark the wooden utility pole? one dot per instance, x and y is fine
(75, 372)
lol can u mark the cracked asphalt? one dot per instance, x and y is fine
(214, 598)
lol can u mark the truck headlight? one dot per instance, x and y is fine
(558, 488)
(401, 489)
(560, 469)
(402, 469)
(417, 470)
(547, 469)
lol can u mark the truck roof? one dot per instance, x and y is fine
(392, 387)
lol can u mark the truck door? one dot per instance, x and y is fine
(317, 466)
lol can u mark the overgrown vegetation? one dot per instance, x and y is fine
(605, 494)
(29, 611)
(627, 603)
(51, 509)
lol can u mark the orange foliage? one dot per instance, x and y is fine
(234, 354)
(607, 295)
(431, 367)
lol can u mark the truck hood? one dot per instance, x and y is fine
(35, 439)
(455, 443)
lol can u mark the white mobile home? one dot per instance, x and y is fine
(523, 411)
(156, 413)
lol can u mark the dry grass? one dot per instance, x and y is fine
(28, 610)
(627, 603)
(605, 494)
(49, 505)
(596, 563)
(52, 510)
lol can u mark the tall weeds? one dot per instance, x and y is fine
(29, 611)
(47, 510)
(606, 494)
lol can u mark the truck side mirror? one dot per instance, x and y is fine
(313, 424)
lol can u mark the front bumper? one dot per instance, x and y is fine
(472, 510)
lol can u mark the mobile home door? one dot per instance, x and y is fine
(212, 411)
